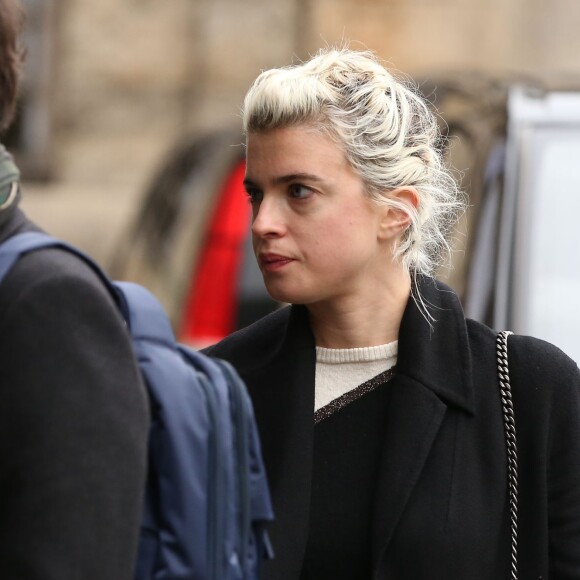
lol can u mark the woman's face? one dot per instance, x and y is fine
(315, 232)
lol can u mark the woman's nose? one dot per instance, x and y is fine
(268, 219)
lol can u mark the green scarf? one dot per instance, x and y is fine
(9, 173)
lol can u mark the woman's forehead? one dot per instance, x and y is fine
(293, 150)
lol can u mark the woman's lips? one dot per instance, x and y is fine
(274, 262)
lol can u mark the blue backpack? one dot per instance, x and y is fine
(207, 499)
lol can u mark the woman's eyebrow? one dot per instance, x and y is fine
(248, 182)
(297, 177)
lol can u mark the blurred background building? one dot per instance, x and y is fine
(122, 98)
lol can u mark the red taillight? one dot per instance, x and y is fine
(211, 303)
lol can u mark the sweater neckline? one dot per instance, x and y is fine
(358, 354)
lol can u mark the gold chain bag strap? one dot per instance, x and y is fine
(511, 442)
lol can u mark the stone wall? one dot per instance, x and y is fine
(133, 77)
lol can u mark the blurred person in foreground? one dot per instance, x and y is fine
(378, 403)
(73, 410)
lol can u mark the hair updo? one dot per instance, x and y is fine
(388, 133)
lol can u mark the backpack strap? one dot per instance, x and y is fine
(511, 442)
(143, 313)
(13, 248)
(17, 246)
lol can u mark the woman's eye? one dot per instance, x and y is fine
(298, 191)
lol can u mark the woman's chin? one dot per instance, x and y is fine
(286, 295)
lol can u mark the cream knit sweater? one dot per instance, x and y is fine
(339, 370)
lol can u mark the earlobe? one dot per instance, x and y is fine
(397, 215)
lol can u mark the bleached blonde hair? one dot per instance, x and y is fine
(388, 133)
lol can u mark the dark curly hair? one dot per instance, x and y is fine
(11, 58)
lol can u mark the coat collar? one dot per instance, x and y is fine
(433, 372)
(433, 348)
(436, 353)
(433, 352)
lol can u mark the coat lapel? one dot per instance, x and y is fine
(282, 389)
(433, 372)
(413, 420)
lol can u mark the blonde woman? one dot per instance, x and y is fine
(377, 401)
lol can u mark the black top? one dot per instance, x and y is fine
(347, 452)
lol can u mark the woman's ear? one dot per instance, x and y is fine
(396, 216)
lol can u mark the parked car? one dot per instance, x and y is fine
(190, 242)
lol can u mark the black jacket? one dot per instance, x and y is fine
(441, 510)
(73, 423)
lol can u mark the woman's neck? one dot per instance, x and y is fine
(359, 321)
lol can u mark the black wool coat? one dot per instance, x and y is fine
(441, 508)
(73, 422)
